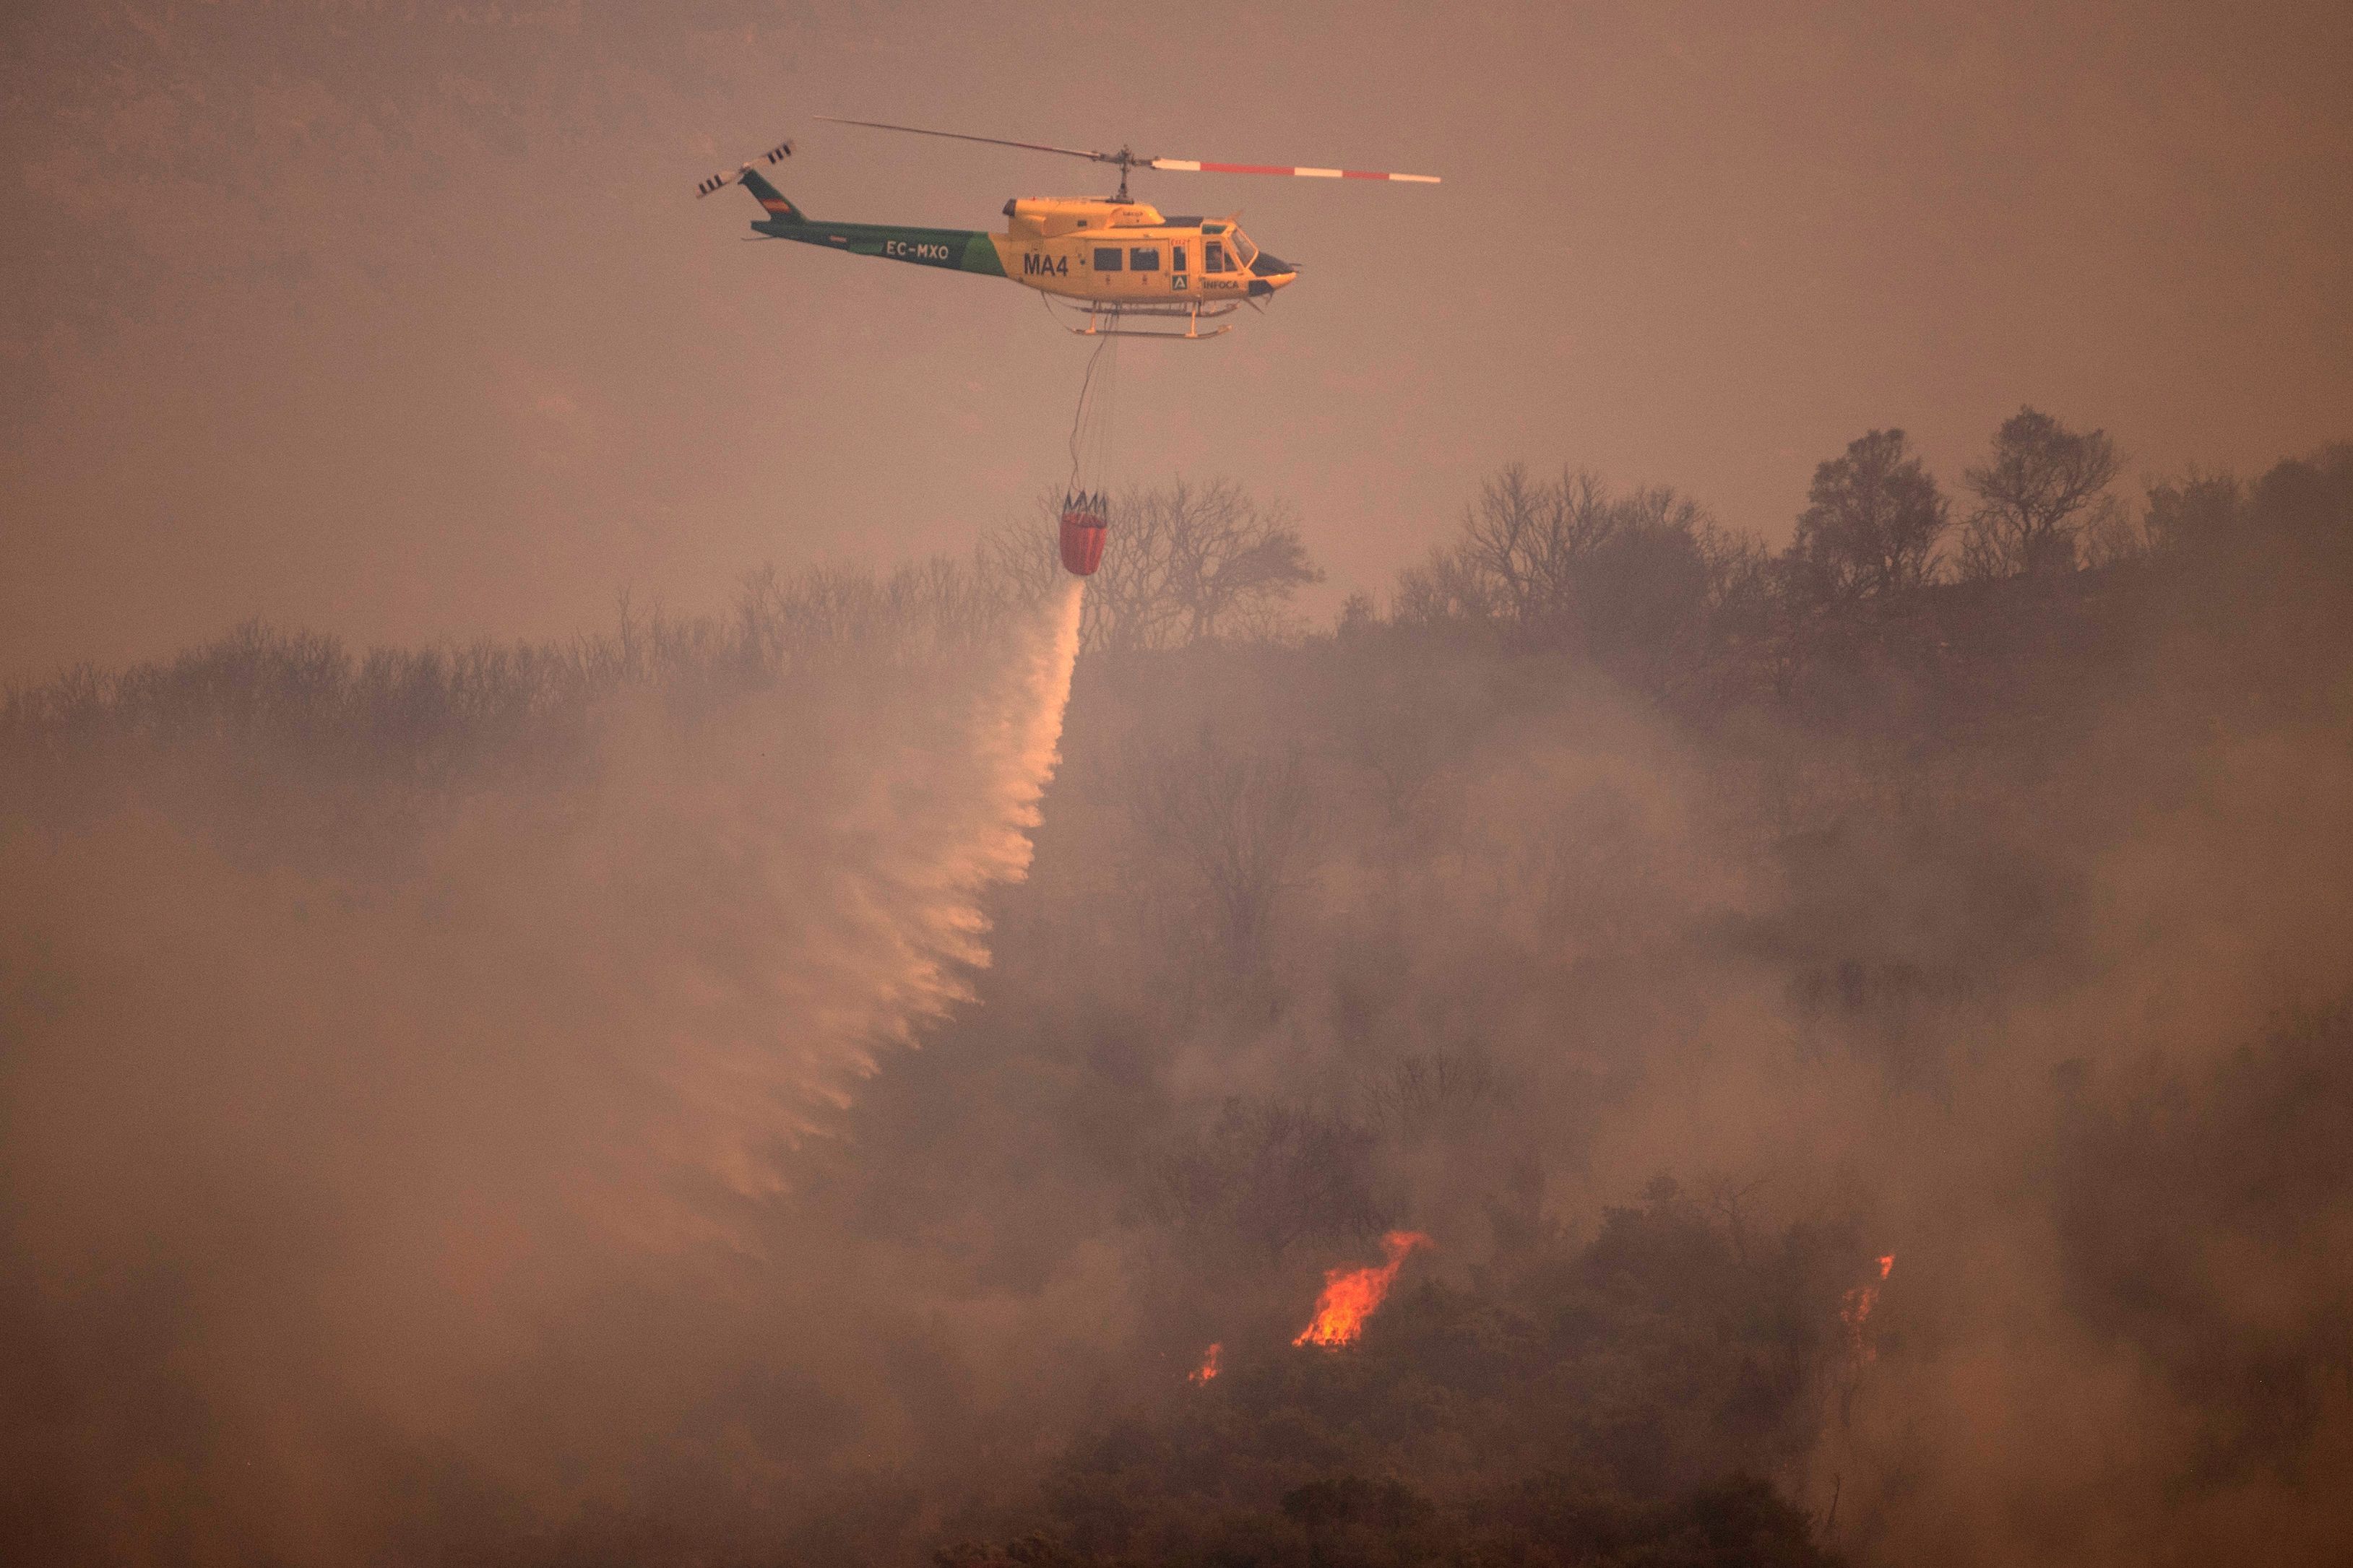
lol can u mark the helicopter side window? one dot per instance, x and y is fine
(1144, 258)
(1213, 255)
(1176, 258)
(1107, 258)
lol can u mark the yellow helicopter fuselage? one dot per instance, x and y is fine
(1116, 257)
(1126, 253)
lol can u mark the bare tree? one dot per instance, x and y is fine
(2034, 493)
(1237, 821)
(1871, 522)
(1633, 581)
(1184, 563)
(1536, 542)
(2111, 536)
(925, 609)
(1447, 586)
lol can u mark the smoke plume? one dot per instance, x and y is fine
(321, 1159)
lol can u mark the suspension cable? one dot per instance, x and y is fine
(1079, 414)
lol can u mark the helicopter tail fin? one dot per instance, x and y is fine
(780, 209)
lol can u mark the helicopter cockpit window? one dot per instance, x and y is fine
(1107, 258)
(1144, 258)
(1244, 251)
(1213, 255)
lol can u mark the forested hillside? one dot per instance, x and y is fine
(1862, 1028)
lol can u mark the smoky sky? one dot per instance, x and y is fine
(402, 321)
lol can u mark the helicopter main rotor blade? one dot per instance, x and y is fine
(1126, 159)
(991, 141)
(1194, 166)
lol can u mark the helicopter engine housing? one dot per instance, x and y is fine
(1050, 217)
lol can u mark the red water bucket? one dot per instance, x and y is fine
(1083, 541)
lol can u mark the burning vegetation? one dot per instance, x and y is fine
(1854, 1311)
(463, 1104)
(1352, 1295)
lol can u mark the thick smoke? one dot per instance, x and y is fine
(513, 1153)
(318, 1164)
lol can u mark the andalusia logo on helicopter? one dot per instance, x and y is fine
(1120, 260)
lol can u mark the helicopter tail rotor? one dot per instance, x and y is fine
(746, 175)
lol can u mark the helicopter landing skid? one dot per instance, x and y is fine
(1104, 321)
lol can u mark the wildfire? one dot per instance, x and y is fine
(1352, 1295)
(1209, 1367)
(1855, 1310)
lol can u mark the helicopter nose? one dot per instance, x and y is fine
(1269, 273)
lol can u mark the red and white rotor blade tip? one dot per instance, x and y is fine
(775, 154)
(1195, 166)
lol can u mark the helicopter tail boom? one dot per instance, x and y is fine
(954, 249)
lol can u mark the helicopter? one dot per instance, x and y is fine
(1118, 258)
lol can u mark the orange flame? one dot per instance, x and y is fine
(1352, 1295)
(1209, 1367)
(1855, 1311)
